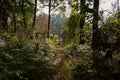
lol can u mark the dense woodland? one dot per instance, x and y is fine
(35, 45)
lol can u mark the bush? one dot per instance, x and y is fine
(81, 56)
(76, 64)
(28, 60)
(85, 69)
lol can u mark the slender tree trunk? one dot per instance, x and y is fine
(82, 21)
(34, 18)
(14, 18)
(96, 34)
(118, 5)
(4, 15)
(49, 16)
(0, 12)
(118, 10)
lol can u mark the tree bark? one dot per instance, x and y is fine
(14, 17)
(82, 21)
(118, 9)
(118, 5)
(96, 34)
(3, 15)
(0, 12)
(49, 16)
(34, 18)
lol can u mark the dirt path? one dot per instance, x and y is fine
(59, 55)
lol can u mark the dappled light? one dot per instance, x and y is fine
(59, 40)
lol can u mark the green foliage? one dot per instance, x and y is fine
(82, 54)
(71, 28)
(111, 34)
(82, 72)
(26, 60)
(16, 16)
(76, 64)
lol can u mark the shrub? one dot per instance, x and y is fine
(86, 69)
(28, 60)
(76, 64)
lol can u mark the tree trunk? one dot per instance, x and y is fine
(14, 17)
(96, 34)
(118, 10)
(3, 15)
(49, 16)
(118, 5)
(0, 12)
(82, 21)
(34, 18)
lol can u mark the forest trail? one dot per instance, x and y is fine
(59, 54)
